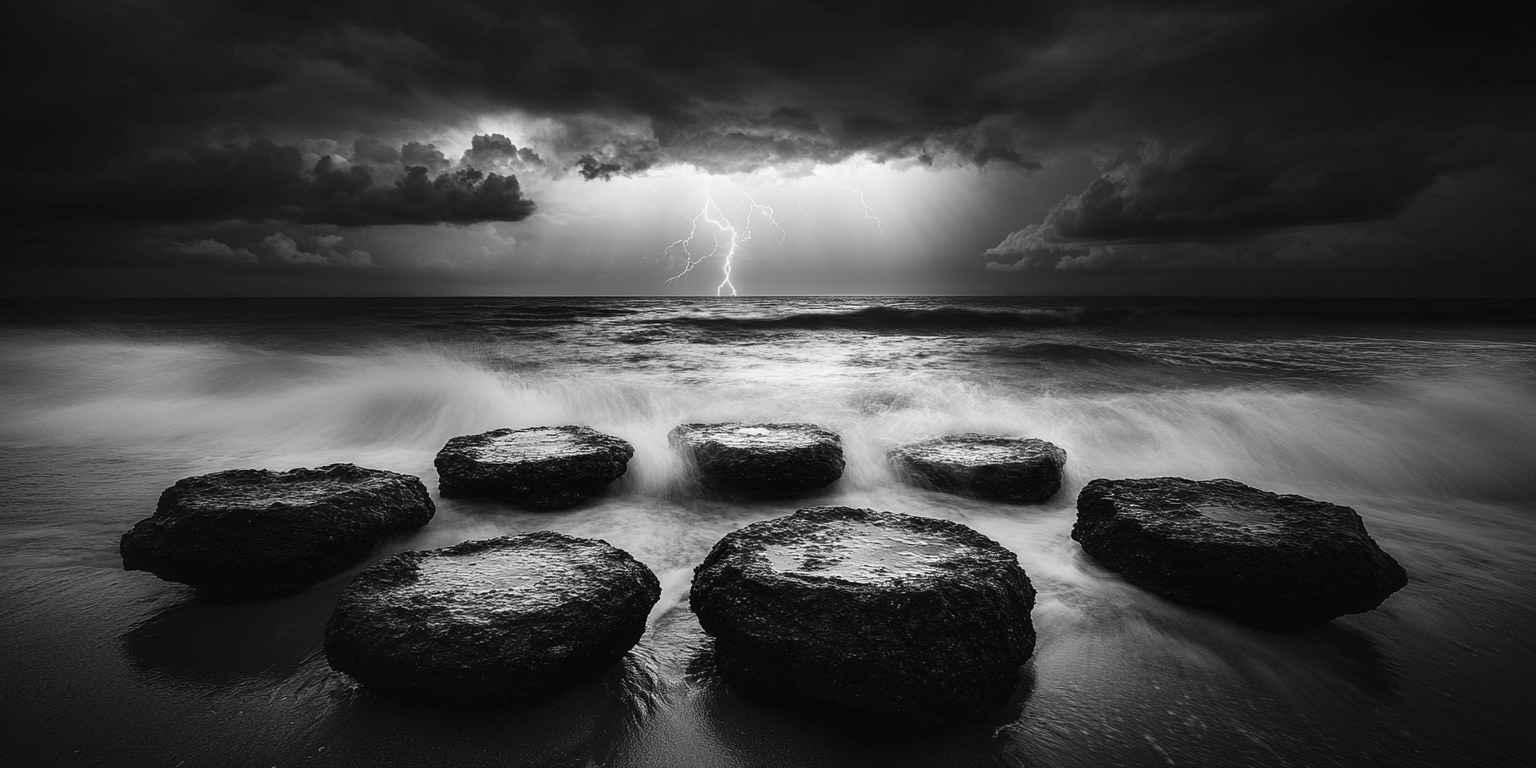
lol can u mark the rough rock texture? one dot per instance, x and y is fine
(876, 613)
(538, 468)
(255, 533)
(1019, 471)
(1272, 561)
(509, 619)
(763, 460)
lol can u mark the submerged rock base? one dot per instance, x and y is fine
(871, 613)
(510, 619)
(249, 533)
(1272, 561)
(762, 460)
(542, 468)
(991, 467)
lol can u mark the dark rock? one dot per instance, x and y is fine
(1014, 470)
(871, 613)
(763, 460)
(538, 468)
(510, 619)
(256, 533)
(1272, 561)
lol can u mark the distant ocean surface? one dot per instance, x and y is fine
(1419, 414)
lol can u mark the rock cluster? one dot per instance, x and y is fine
(250, 533)
(1272, 561)
(762, 460)
(874, 613)
(509, 619)
(542, 468)
(992, 467)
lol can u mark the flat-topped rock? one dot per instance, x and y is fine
(872, 613)
(762, 460)
(992, 467)
(510, 619)
(250, 533)
(539, 468)
(1273, 561)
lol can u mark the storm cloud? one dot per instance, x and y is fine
(262, 181)
(970, 82)
(1212, 123)
(1279, 120)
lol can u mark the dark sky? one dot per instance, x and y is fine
(203, 147)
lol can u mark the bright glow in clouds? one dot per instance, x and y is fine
(746, 209)
(723, 224)
(869, 213)
(853, 227)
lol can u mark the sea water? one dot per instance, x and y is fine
(1419, 415)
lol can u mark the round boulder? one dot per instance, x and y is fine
(762, 460)
(877, 614)
(510, 619)
(992, 467)
(538, 468)
(1271, 561)
(256, 533)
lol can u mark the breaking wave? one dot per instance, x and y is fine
(1469, 434)
(936, 319)
(1046, 352)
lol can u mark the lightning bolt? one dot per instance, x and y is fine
(869, 213)
(756, 207)
(689, 262)
(799, 206)
(723, 225)
(712, 214)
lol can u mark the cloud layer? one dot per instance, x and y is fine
(262, 181)
(1215, 125)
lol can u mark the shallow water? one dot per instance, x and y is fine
(497, 571)
(863, 553)
(1420, 416)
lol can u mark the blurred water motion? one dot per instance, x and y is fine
(1422, 417)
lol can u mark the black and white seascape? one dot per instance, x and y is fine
(1421, 416)
(675, 384)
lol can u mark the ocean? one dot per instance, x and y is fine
(1421, 415)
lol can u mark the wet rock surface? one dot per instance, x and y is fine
(1273, 561)
(542, 468)
(515, 618)
(992, 467)
(762, 460)
(249, 533)
(875, 614)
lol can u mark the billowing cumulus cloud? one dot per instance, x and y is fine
(496, 153)
(349, 198)
(371, 151)
(426, 156)
(263, 181)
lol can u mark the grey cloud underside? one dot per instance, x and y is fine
(1296, 121)
(1216, 121)
(262, 181)
(1214, 189)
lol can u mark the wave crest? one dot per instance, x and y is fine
(899, 319)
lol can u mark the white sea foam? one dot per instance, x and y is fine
(1466, 434)
(1429, 434)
